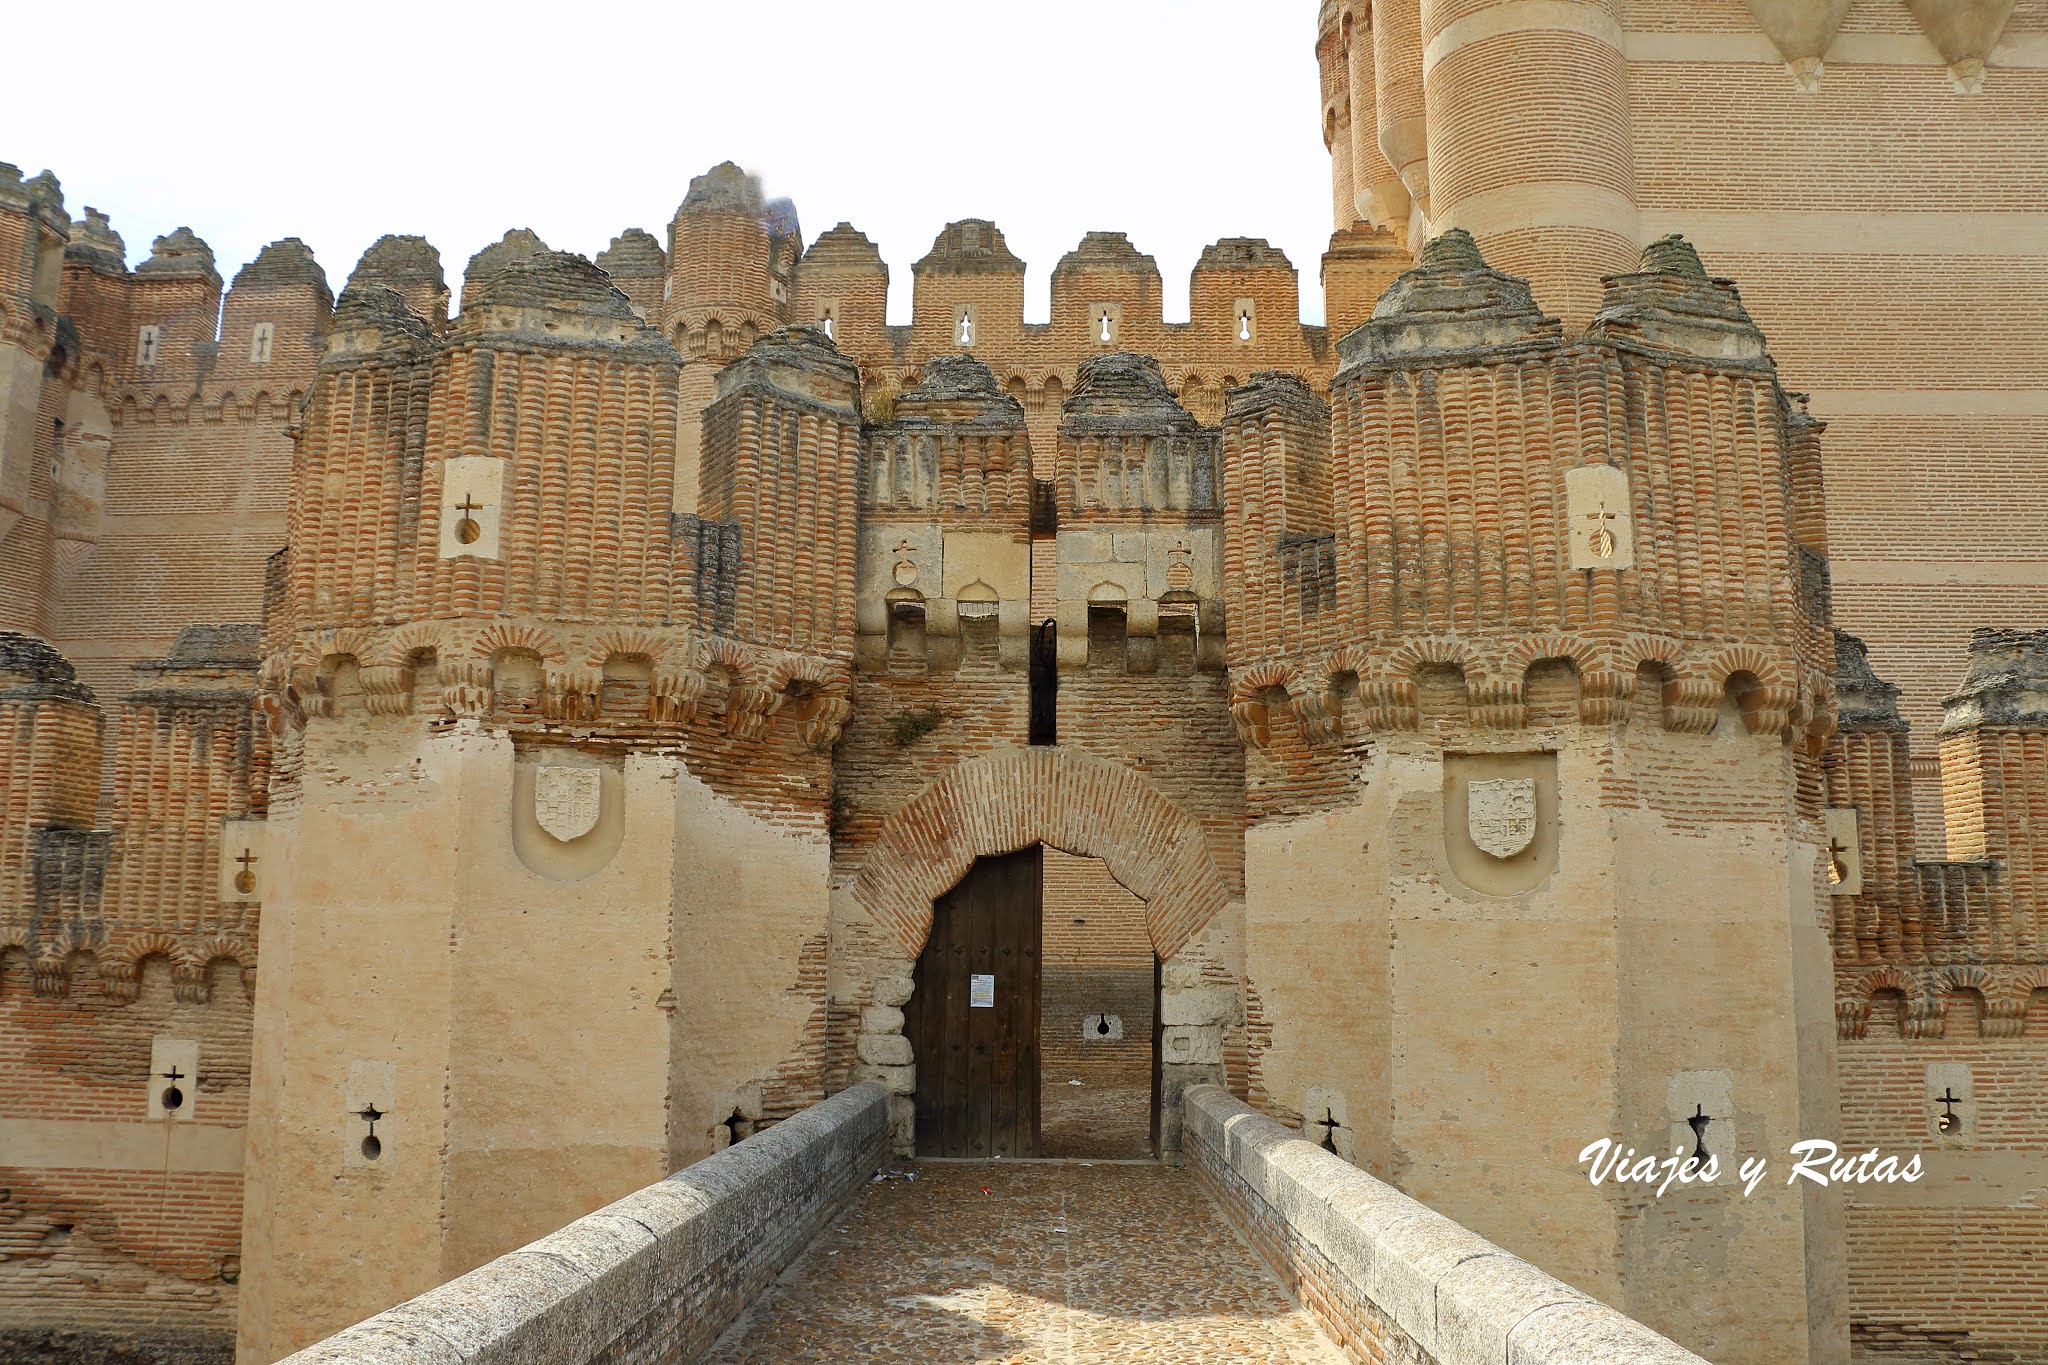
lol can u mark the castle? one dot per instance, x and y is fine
(465, 758)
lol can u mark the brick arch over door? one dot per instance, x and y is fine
(1067, 800)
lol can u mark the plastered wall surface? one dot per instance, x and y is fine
(749, 929)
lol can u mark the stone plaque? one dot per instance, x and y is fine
(566, 800)
(1844, 853)
(1500, 814)
(1601, 532)
(472, 489)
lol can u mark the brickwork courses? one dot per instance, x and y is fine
(1864, 200)
(691, 627)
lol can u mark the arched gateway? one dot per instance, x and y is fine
(955, 879)
(1058, 797)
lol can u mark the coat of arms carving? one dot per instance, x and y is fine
(566, 800)
(1500, 814)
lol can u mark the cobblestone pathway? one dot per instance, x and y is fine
(1059, 1262)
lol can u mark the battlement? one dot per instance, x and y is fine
(95, 245)
(2006, 685)
(516, 247)
(40, 195)
(1452, 301)
(411, 267)
(285, 262)
(1863, 700)
(955, 389)
(30, 670)
(33, 231)
(180, 254)
(559, 294)
(971, 246)
(1106, 251)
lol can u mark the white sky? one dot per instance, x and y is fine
(1175, 121)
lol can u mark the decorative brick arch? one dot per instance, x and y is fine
(1067, 800)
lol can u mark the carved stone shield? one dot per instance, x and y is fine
(1500, 813)
(565, 800)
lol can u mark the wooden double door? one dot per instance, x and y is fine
(973, 1018)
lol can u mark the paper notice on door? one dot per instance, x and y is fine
(981, 992)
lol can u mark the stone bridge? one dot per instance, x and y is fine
(803, 1243)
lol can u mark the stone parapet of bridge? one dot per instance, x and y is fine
(1391, 1279)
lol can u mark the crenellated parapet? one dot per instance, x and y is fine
(87, 896)
(411, 267)
(1106, 296)
(781, 462)
(946, 499)
(34, 229)
(50, 743)
(1928, 936)
(731, 253)
(162, 350)
(1501, 501)
(483, 521)
(1138, 482)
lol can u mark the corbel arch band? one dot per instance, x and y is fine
(1066, 800)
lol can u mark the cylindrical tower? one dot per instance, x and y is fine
(1557, 205)
(1398, 111)
(1336, 83)
(731, 255)
(1378, 196)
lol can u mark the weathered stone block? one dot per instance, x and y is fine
(1590, 1333)
(1479, 1302)
(1084, 547)
(881, 1019)
(897, 1080)
(884, 1049)
(1409, 1258)
(1192, 1045)
(902, 1125)
(1206, 1005)
(393, 1338)
(894, 990)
